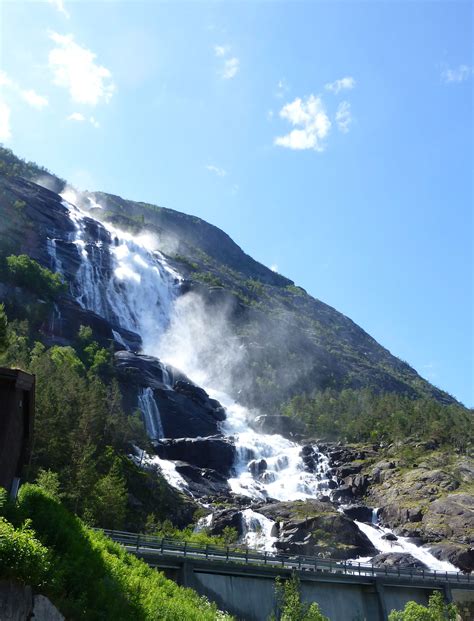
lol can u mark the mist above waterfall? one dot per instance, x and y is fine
(200, 341)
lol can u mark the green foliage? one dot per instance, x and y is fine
(437, 610)
(110, 498)
(22, 271)
(185, 261)
(167, 530)
(86, 575)
(289, 604)
(48, 481)
(22, 556)
(362, 415)
(11, 165)
(208, 279)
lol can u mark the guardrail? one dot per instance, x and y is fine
(150, 545)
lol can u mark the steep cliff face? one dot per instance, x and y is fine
(287, 342)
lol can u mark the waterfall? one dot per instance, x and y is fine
(151, 414)
(124, 279)
(258, 531)
(401, 545)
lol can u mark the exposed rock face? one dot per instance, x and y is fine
(227, 518)
(18, 602)
(204, 482)
(397, 559)
(451, 517)
(461, 556)
(359, 513)
(215, 453)
(185, 409)
(316, 528)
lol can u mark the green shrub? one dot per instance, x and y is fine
(23, 271)
(22, 556)
(437, 610)
(289, 604)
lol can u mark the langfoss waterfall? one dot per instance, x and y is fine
(124, 279)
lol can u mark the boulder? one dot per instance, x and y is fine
(257, 467)
(361, 513)
(401, 560)
(390, 537)
(315, 528)
(203, 482)
(226, 518)
(459, 555)
(215, 453)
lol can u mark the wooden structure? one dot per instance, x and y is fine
(17, 406)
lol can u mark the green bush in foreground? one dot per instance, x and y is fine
(290, 606)
(85, 574)
(437, 610)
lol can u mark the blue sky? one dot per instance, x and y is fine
(331, 140)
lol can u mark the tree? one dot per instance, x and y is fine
(110, 498)
(437, 610)
(289, 604)
(48, 481)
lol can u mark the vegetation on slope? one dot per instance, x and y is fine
(86, 575)
(83, 437)
(363, 415)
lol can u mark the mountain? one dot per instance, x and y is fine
(289, 342)
(179, 379)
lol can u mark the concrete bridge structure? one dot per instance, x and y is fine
(242, 581)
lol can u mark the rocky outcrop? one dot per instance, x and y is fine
(316, 528)
(451, 517)
(215, 453)
(226, 518)
(361, 513)
(401, 560)
(459, 555)
(204, 483)
(186, 410)
(18, 602)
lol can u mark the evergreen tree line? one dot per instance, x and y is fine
(363, 415)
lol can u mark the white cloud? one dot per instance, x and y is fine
(274, 268)
(5, 130)
(459, 74)
(220, 172)
(33, 99)
(221, 50)
(5, 80)
(311, 116)
(344, 116)
(80, 118)
(74, 67)
(346, 83)
(59, 4)
(231, 68)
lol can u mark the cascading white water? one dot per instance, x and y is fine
(401, 545)
(151, 413)
(258, 531)
(139, 294)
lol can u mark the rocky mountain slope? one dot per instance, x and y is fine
(260, 339)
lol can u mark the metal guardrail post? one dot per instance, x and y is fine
(247, 554)
(138, 542)
(162, 545)
(207, 550)
(227, 555)
(185, 548)
(359, 568)
(265, 557)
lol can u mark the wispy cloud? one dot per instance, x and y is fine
(335, 87)
(78, 117)
(231, 68)
(231, 64)
(5, 129)
(59, 4)
(33, 99)
(220, 172)
(75, 68)
(344, 116)
(312, 120)
(457, 74)
(221, 50)
(30, 96)
(274, 268)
